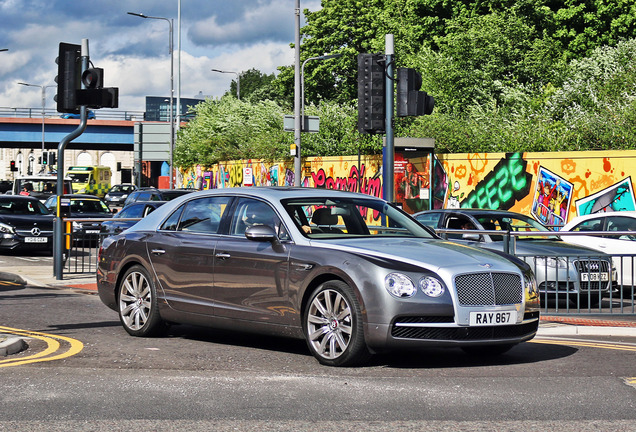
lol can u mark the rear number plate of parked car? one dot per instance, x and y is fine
(35, 239)
(493, 318)
(594, 277)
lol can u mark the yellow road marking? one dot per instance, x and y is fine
(620, 347)
(52, 347)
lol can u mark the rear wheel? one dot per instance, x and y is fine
(137, 297)
(333, 326)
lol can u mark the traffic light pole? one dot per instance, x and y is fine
(58, 229)
(388, 155)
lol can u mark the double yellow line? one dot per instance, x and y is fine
(581, 343)
(49, 354)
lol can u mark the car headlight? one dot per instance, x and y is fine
(124, 196)
(6, 229)
(553, 262)
(431, 286)
(399, 285)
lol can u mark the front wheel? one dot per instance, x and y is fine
(137, 297)
(333, 326)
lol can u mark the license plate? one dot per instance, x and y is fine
(92, 231)
(594, 277)
(35, 239)
(493, 318)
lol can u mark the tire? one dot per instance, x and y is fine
(488, 350)
(137, 300)
(333, 326)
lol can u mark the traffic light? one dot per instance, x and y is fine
(52, 159)
(93, 78)
(12, 166)
(411, 101)
(371, 94)
(68, 77)
(44, 159)
(95, 95)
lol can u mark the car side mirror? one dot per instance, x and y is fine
(261, 233)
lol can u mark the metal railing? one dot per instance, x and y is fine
(52, 113)
(572, 284)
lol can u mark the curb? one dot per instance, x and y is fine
(11, 345)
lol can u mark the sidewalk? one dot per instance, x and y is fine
(550, 325)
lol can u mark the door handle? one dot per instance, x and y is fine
(158, 251)
(223, 256)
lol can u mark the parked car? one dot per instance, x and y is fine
(25, 224)
(117, 194)
(137, 210)
(153, 194)
(349, 273)
(84, 206)
(90, 115)
(617, 240)
(567, 270)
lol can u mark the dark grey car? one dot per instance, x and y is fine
(349, 273)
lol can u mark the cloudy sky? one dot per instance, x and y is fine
(233, 35)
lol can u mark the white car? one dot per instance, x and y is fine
(617, 241)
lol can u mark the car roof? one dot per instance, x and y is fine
(17, 197)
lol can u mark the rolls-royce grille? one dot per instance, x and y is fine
(487, 289)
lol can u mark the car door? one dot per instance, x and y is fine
(182, 253)
(251, 277)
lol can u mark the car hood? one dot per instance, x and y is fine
(27, 222)
(428, 253)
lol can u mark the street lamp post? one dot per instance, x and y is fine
(43, 88)
(238, 81)
(170, 47)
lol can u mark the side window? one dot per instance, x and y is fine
(590, 225)
(430, 220)
(173, 221)
(621, 223)
(253, 212)
(203, 215)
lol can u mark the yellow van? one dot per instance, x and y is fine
(94, 180)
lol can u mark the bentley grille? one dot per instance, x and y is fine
(487, 289)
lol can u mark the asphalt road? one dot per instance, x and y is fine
(99, 378)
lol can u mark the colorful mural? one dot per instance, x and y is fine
(553, 187)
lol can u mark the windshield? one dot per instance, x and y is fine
(79, 178)
(22, 207)
(88, 206)
(514, 223)
(338, 218)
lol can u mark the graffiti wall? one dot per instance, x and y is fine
(339, 172)
(552, 187)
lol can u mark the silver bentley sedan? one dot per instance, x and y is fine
(349, 273)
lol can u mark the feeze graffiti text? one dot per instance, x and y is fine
(370, 186)
(506, 184)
